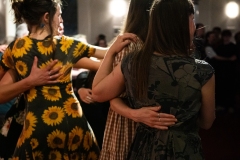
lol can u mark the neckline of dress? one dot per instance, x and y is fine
(47, 37)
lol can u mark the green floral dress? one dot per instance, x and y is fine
(174, 83)
(55, 126)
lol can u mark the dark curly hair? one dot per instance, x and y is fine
(31, 11)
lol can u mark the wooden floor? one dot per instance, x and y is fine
(222, 141)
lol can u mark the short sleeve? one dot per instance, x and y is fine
(205, 71)
(132, 47)
(6, 62)
(124, 64)
(75, 49)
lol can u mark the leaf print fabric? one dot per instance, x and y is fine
(175, 83)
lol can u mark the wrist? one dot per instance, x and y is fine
(132, 114)
(110, 53)
(29, 83)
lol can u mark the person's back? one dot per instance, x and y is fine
(174, 83)
(119, 130)
(54, 125)
(165, 73)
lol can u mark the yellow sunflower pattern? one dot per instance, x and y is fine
(50, 105)
(72, 108)
(69, 89)
(88, 141)
(55, 155)
(34, 143)
(32, 94)
(7, 59)
(51, 93)
(21, 68)
(74, 156)
(22, 46)
(92, 156)
(44, 65)
(53, 115)
(75, 138)
(29, 124)
(66, 43)
(45, 47)
(65, 156)
(38, 155)
(56, 139)
(80, 48)
(66, 73)
(21, 140)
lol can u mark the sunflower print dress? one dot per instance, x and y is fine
(55, 126)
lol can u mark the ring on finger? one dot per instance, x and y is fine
(49, 73)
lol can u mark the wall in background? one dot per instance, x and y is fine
(2, 19)
(92, 17)
(212, 13)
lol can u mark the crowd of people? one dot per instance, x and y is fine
(220, 48)
(146, 97)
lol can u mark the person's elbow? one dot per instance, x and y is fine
(97, 95)
(207, 124)
(2, 99)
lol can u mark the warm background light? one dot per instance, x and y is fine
(232, 10)
(118, 8)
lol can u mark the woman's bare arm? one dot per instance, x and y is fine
(207, 112)
(10, 87)
(147, 115)
(99, 52)
(87, 63)
(106, 80)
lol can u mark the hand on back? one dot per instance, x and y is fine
(153, 118)
(44, 76)
(121, 42)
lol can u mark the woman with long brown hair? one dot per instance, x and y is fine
(165, 73)
(122, 120)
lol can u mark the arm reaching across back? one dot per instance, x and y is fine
(10, 87)
(85, 95)
(100, 52)
(109, 83)
(87, 63)
(147, 115)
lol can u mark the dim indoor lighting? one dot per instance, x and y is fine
(118, 7)
(232, 10)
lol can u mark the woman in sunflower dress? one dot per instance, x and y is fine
(54, 126)
(164, 73)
